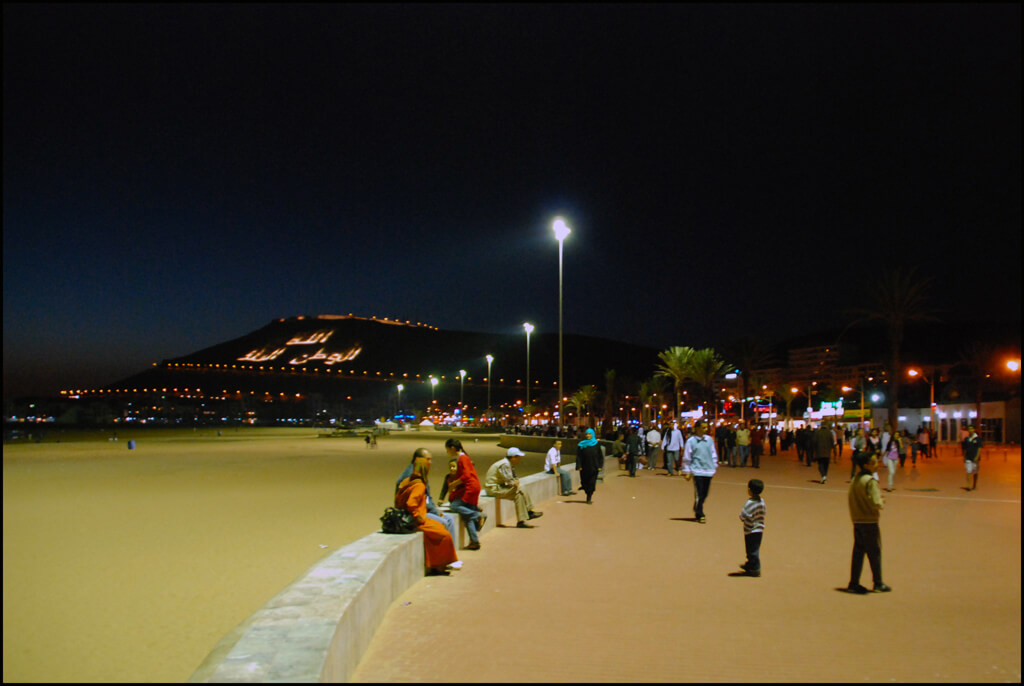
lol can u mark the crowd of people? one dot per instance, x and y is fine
(695, 455)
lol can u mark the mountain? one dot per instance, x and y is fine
(340, 356)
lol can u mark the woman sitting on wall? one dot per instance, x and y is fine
(438, 546)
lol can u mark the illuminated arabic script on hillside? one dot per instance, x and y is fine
(265, 355)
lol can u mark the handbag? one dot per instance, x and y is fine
(396, 521)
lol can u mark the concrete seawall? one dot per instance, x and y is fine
(317, 628)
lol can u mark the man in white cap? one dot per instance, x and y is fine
(502, 482)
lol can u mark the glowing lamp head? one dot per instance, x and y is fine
(1013, 365)
(912, 372)
(529, 327)
(489, 358)
(561, 229)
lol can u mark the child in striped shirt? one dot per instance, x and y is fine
(752, 517)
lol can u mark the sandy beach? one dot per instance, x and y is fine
(130, 565)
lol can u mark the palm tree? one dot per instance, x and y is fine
(704, 366)
(787, 395)
(675, 365)
(897, 297)
(644, 396)
(977, 357)
(581, 400)
(649, 390)
(610, 400)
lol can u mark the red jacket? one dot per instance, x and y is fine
(468, 490)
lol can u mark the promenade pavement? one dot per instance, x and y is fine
(632, 589)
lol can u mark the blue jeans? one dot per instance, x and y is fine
(670, 460)
(752, 543)
(470, 515)
(653, 453)
(744, 453)
(566, 479)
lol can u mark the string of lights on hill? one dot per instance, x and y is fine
(361, 349)
(308, 368)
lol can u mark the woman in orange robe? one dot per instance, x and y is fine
(438, 546)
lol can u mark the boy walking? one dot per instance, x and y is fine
(972, 452)
(752, 516)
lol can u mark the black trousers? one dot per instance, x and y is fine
(823, 467)
(701, 486)
(867, 540)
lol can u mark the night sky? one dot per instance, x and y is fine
(180, 175)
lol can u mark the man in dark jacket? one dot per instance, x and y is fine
(822, 446)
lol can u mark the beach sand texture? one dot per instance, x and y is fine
(130, 565)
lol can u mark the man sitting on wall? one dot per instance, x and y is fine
(502, 483)
(553, 465)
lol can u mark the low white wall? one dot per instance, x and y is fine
(317, 629)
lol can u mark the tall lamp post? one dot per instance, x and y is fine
(489, 358)
(931, 398)
(743, 401)
(462, 386)
(875, 399)
(561, 231)
(400, 388)
(529, 328)
(847, 389)
(433, 385)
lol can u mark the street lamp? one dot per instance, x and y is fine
(489, 358)
(931, 400)
(462, 386)
(433, 385)
(743, 401)
(400, 388)
(529, 328)
(847, 389)
(561, 231)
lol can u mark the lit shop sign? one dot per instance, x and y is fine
(316, 337)
(832, 409)
(828, 409)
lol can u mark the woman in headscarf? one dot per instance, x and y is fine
(589, 461)
(438, 546)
